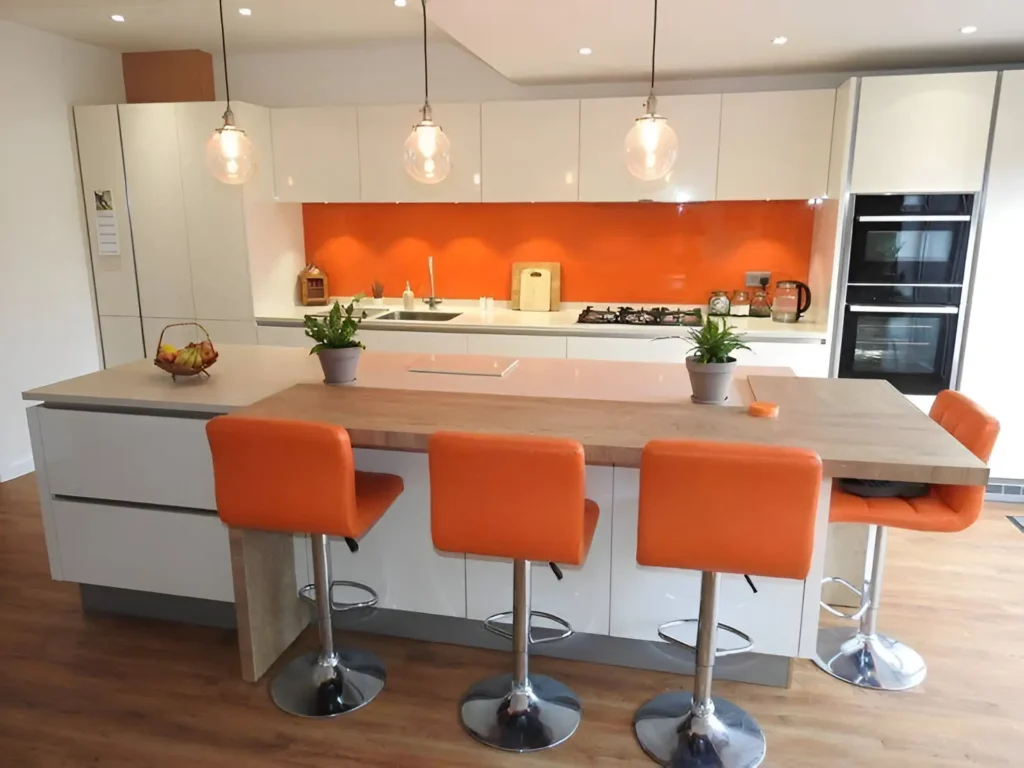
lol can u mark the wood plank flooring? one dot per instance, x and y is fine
(102, 691)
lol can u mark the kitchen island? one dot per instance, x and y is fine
(126, 489)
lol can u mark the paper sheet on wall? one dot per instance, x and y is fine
(106, 224)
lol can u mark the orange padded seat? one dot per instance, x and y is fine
(294, 476)
(521, 498)
(728, 507)
(947, 508)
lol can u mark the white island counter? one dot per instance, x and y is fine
(127, 494)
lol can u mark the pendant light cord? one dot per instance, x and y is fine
(654, 43)
(224, 49)
(426, 78)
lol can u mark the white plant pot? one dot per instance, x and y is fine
(339, 364)
(710, 382)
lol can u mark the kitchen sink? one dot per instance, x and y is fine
(436, 317)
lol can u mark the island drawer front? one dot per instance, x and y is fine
(150, 550)
(128, 457)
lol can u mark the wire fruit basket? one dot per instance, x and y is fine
(189, 360)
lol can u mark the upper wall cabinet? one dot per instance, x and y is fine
(149, 133)
(775, 145)
(382, 134)
(923, 133)
(316, 154)
(531, 151)
(99, 151)
(603, 127)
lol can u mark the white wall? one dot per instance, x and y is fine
(48, 327)
(390, 74)
(993, 354)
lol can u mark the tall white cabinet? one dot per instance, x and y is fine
(923, 133)
(604, 123)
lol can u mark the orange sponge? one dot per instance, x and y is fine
(763, 410)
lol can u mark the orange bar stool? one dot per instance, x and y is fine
(862, 656)
(521, 498)
(765, 527)
(299, 477)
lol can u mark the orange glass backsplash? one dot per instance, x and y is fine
(609, 252)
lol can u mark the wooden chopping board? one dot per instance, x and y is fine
(553, 267)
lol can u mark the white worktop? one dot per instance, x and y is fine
(502, 319)
(245, 374)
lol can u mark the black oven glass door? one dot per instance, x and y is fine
(895, 250)
(911, 348)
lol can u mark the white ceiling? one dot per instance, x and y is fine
(536, 41)
(153, 25)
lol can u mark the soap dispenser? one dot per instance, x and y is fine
(408, 300)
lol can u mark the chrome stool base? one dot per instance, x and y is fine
(671, 734)
(308, 688)
(549, 713)
(869, 661)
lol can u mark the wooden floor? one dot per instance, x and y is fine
(101, 691)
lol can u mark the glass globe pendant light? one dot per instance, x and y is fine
(230, 155)
(427, 155)
(651, 144)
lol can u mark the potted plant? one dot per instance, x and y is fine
(336, 344)
(377, 289)
(711, 365)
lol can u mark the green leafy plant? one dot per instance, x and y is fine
(377, 289)
(337, 330)
(714, 342)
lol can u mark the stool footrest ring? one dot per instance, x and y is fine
(856, 615)
(693, 649)
(492, 624)
(308, 593)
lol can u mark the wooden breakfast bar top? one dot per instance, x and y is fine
(863, 429)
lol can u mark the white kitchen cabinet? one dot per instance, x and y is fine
(992, 366)
(805, 358)
(150, 550)
(923, 133)
(397, 556)
(775, 145)
(231, 331)
(100, 160)
(516, 345)
(284, 336)
(179, 335)
(531, 151)
(382, 133)
(122, 340)
(214, 212)
(604, 124)
(632, 350)
(316, 154)
(427, 342)
(149, 135)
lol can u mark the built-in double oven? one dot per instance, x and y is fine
(905, 282)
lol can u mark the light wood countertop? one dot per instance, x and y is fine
(887, 442)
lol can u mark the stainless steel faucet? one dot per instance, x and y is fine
(431, 301)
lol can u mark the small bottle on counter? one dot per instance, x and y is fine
(408, 300)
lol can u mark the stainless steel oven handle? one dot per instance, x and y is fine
(898, 310)
(937, 217)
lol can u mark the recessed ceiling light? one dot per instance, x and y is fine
(117, 17)
(969, 30)
(584, 51)
(245, 11)
(400, 3)
(780, 40)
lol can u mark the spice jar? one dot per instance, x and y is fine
(718, 304)
(740, 305)
(759, 306)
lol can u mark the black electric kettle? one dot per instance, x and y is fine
(792, 300)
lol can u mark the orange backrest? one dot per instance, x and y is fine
(728, 507)
(508, 496)
(279, 475)
(977, 431)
